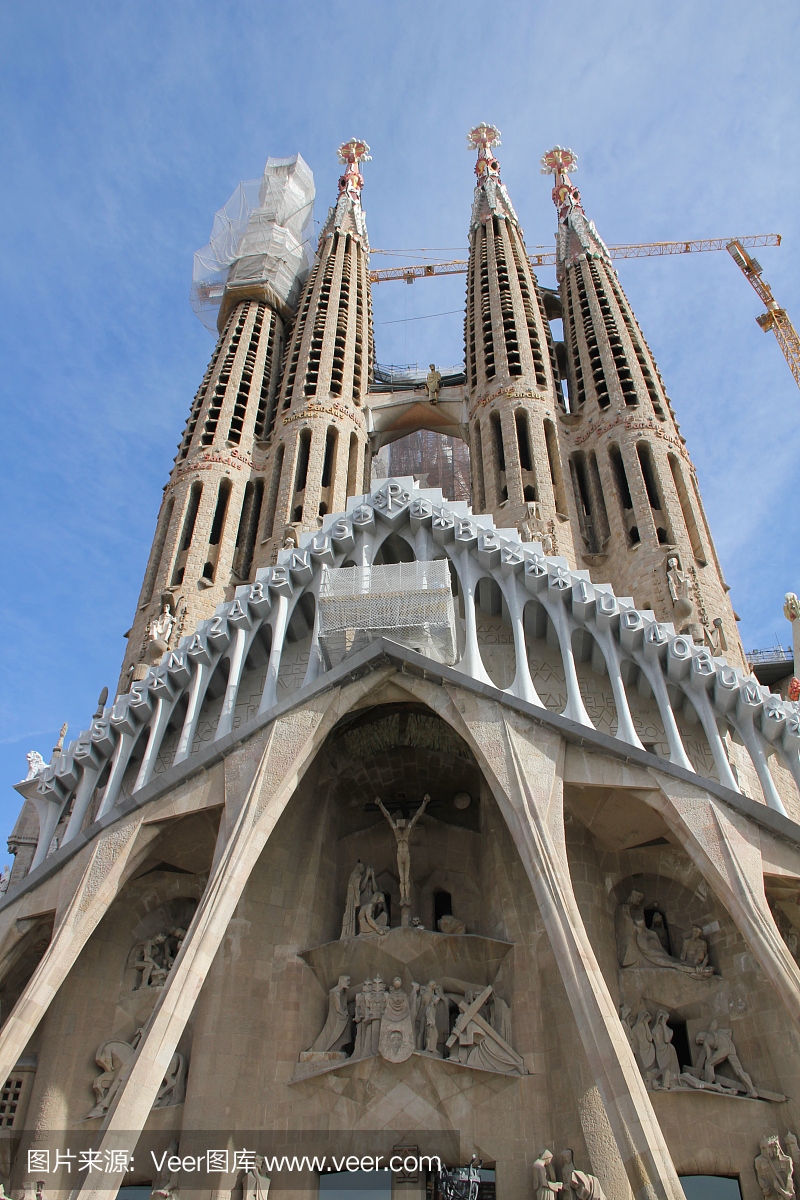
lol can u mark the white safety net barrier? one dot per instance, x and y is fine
(411, 603)
(261, 235)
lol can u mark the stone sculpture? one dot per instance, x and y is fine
(402, 829)
(638, 946)
(644, 1049)
(159, 633)
(396, 1041)
(433, 382)
(793, 1148)
(396, 1022)
(679, 590)
(424, 1000)
(5, 879)
(545, 1184)
(336, 1030)
(374, 1010)
(718, 1048)
(359, 1018)
(479, 1045)
(667, 1063)
(113, 1056)
(451, 924)
(35, 764)
(255, 1184)
(584, 1185)
(695, 949)
(774, 1170)
(372, 916)
(173, 1085)
(355, 885)
(165, 1186)
(155, 956)
(791, 610)
(659, 927)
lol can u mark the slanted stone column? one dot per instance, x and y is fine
(106, 866)
(725, 848)
(524, 766)
(289, 748)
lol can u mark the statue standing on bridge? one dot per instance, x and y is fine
(433, 382)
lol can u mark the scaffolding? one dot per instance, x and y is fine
(260, 236)
(410, 603)
(435, 460)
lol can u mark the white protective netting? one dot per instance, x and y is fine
(411, 603)
(261, 235)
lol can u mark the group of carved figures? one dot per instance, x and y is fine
(366, 913)
(651, 1041)
(638, 946)
(155, 956)
(775, 1167)
(472, 1028)
(115, 1057)
(572, 1182)
(658, 1059)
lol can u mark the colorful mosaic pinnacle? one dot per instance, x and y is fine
(559, 162)
(352, 153)
(482, 138)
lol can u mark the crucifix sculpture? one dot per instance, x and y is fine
(402, 827)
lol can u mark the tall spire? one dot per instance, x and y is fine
(577, 236)
(320, 432)
(640, 516)
(347, 214)
(490, 192)
(512, 374)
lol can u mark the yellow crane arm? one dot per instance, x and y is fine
(542, 257)
(775, 319)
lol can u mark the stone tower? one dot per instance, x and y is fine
(211, 524)
(321, 453)
(640, 520)
(512, 374)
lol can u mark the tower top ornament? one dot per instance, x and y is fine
(482, 138)
(559, 162)
(352, 153)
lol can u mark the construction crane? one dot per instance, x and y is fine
(542, 257)
(775, 317)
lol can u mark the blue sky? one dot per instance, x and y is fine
(127, 125)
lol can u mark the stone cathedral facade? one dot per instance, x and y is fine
(460, 829)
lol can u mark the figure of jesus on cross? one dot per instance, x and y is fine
(402, 827)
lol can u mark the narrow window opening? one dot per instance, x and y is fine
(248, 526)
(620, 478)
(583, 499)
(158, 551)
(352, 465)
(498, 441)
(330, 457)
(476, 465)
(692, 528)
(554, 463)
(442, 906)
(220, 511)
(649, 474)
(623, 494)
(274, 488)
(303, 449)
(523, 439)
